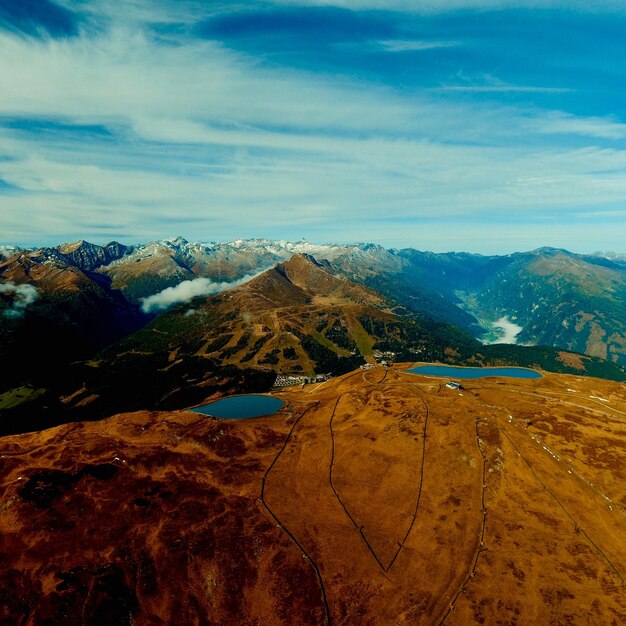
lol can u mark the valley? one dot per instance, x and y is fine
(506, 331)
(502, 330)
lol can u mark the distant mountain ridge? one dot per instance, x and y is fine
(546, 291)
(89, 256)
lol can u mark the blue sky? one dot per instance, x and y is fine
(479, 125)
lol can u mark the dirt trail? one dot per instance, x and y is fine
(376, 498)
(473, 475)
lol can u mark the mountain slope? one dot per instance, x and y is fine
(561, 299)
(298, 317)
(375, 498)
(301, 317)
(70, 312)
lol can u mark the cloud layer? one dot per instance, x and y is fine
(22, 296)
(187, 290)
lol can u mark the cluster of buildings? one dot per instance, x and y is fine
(384, 358)
(387, 354)
(286, 380)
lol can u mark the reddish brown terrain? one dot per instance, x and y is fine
(379, 497)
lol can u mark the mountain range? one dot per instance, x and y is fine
(571, 301)
(375, 497)
(303, 316)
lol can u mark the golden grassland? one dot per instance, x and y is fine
(379, 497)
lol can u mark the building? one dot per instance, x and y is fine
(453, 385)
(287, 380)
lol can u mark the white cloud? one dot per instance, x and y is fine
(488, 83)
(123, 76)
(188, 289)
(398, 45)
(216, 145)
(502, 89)
(22, 297)
(344, 182)
(565, 124)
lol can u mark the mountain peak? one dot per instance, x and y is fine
(89, 256)
(68, 248)
(304, 257)
(303, 269)
(549, 251)
(177, 241)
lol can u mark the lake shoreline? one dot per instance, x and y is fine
(452, 371)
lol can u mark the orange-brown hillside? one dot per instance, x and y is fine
(376, 498)
(295, 317)
(48, 275)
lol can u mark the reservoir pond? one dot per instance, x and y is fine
(241, 407)
(448, 371)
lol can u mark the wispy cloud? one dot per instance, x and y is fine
(503, 88)
(136, 128)
(414, 45)
(559, 123)
(488, 83)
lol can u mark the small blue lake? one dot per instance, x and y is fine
(448, 371)
(241, 407)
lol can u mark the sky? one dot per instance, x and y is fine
(481, 125)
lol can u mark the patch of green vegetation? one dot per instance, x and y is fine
(240, 345)
(6, 505)
(545, 358)
(412, 339)
(289, 353)
(143, 285)
(329, 344)
(414, 294)
(178, 328)
(363, 341)
(219, 343)
(322, 324)
(340, 336)
(327, 360)
(254, 350)
(271, 358)
(20, 395)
